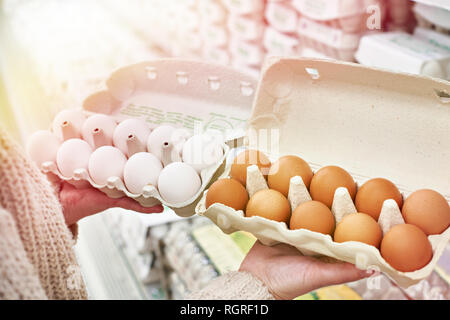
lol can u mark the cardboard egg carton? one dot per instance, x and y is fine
(365, 120)
(332, 42)
(432, 17)
(349, 16)
(277, 43)
(181, 93)
(281, 16)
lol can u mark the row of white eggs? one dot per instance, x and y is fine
(168, 158)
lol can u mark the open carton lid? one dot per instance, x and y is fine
(371, 122)
(178, 92)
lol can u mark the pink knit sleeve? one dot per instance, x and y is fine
(31, 201)
(19, 279)
(236, 285)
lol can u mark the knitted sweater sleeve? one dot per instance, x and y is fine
(19, 279)
(234, 285)
(29, 198)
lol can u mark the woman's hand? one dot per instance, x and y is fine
(288, 274)
(80, 203)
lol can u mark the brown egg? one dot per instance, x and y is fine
(325, 182)
(406, 248)
(359, 227)
(428, 210)
(314, 216)
(269, 204)
(370, 197)
(228, 192)
(284, 169)
(248, 158)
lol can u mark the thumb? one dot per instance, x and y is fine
(131, 204)
(337, 273)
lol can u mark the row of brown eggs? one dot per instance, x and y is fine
(405, 247)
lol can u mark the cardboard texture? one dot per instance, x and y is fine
(181, 93)
(371, 122)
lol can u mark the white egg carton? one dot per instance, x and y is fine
(333, 42)
(432, 17)
(244, 7)
(347, 15)
(328, 9)
(278, 43)
(281, 16)
(372, 123)
(248, 28)
(213, 95)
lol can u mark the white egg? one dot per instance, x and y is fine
(68, 124)
(98, 130)
(106, 162)
(73, 154)
(141, 169)
(137, 128)
(179, 138)
(202, 151)
(158, 137)
(178, 182)
(42, 146)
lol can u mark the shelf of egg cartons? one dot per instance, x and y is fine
(333, 28)
(83, 44)
(171, 25)
(135, 235)
(106, 268)
(183, 255)
(214, 31)
(280, 36)
(246, 26)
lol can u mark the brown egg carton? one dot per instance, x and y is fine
(370, 122)
(312, 243)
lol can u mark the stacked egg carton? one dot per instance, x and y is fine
(432, 18)
(246, 26)
(186, 258)
(333, 28)
(214, 32)
(280, 36)
(188, 41)
(400, 16)
(130, 236)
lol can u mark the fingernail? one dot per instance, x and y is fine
(367, 273)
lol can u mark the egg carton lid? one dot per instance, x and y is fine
(178, 92)
(372, 122)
